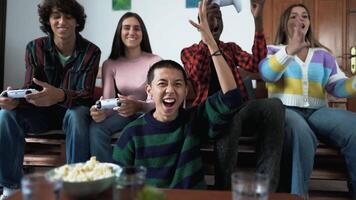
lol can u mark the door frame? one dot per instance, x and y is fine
(3, 4)
(351, 41)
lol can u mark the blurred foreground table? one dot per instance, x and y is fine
(177, 194)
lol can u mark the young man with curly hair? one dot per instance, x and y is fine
(62, 66)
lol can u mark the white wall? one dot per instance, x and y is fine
(166, 21)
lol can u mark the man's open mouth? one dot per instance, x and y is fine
(169, 102)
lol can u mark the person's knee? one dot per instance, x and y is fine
(93, 128)
(273, 111)
(271, 107)
(351, 140)
(295, 121)
(77, 121)
(6, 115)
(9, 128)
(275, 104)
(77, 114)
(298, 128)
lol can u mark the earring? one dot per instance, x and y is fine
(149, 96)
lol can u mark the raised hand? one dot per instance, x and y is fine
(203, 26)
(8, 103)
(297, 39)
(49, 96)
(226, 79)
(257, 8)
(257, 12)
(212, 8)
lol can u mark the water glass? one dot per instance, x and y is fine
(37, 186)
(249, 186)
(129, 183)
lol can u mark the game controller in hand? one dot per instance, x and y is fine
(107, 103)
(236, 3)
(18, 93)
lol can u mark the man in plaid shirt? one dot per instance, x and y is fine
(263, 117)
(62, 66)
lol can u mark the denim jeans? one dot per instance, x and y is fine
(333, 126)
(100, 135)
(76, 124)
(264, 119)
(14, 124)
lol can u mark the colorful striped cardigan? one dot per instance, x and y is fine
(304, 83)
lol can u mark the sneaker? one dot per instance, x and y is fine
(6, 192)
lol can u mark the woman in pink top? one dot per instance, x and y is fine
(124, 76)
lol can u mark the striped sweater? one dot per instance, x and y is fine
(304, 84)
(171, 150)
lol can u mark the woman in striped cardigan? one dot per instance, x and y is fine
(300, 71)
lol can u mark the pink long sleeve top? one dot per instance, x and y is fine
(129, 77)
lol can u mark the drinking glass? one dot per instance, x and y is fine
(37, 186)
(249, 186)
(129, 183)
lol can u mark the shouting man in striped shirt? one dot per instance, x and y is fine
(167, 140)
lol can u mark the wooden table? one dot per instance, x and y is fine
(176, 194)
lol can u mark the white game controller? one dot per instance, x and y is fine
(18, 93)
(236, 3)
(107, 103)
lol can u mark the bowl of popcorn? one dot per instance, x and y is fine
(85, 179)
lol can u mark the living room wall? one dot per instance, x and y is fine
(166, 21)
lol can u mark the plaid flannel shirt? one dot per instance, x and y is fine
(196, 60)
(76, 78)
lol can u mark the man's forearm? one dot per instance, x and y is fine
(259, 25)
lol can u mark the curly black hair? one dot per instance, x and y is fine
(70, 7)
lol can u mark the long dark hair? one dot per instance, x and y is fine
(70, 7)
(282, 32)
(118, 46)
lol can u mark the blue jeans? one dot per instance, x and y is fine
(76, 124)
(333, 126)
(14, 124)
(100, 135)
